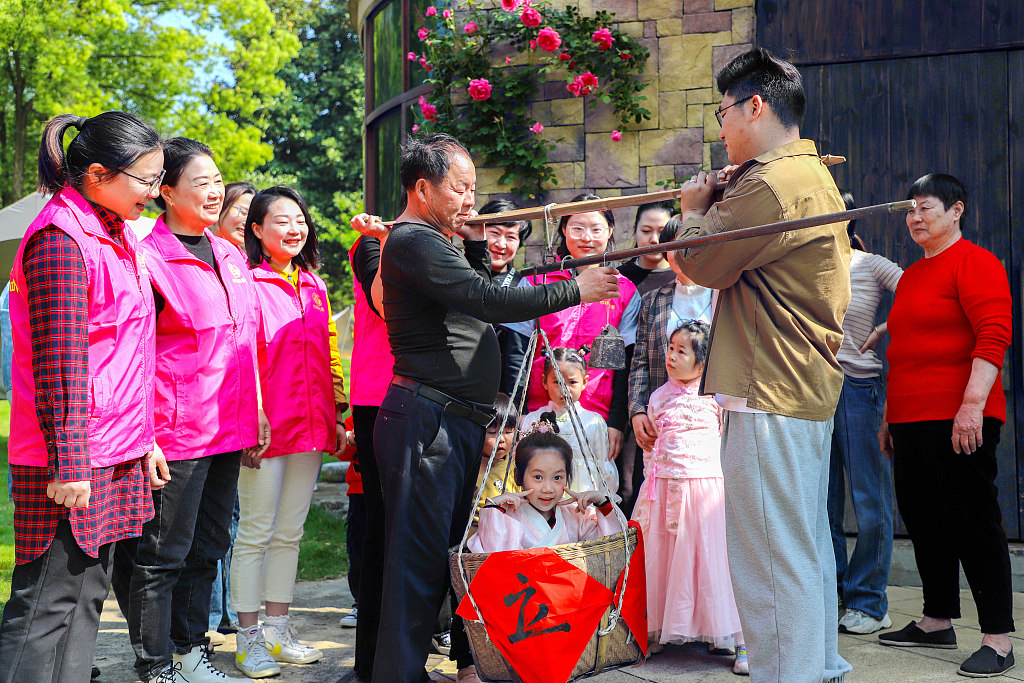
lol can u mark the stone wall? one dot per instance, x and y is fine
(689, 41)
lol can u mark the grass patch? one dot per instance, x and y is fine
(322, 552)
(6, 509)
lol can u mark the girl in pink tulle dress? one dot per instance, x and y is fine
(680, 508)
(540, 515)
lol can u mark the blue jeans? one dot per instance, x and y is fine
(862, 579)
(220, 597)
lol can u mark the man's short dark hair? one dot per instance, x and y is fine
(947, 188)
(428, 158)
(759, 72)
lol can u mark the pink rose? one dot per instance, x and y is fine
(616, 136)
(625, 56)
(537, 128)
(508, 60)
(509, 5)
(412, 56)
(533, 44)
(603, 38)
(574, 87)
(548, 39)
(470, 27)
(429, 110)
(447, 14)
(431, 11)
(423, 62)
(415, 128)
(589, 82)
(479, 89)
(564, 57)
(423, 33)
(530, 17)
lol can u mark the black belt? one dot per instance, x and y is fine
(453, 405)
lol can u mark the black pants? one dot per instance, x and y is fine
(363, 419)
(355, 538)
(429, 461)
(169, 571)
(49, 627)
(950, 505)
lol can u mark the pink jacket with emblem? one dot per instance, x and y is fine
(372, 363)
(572, 328)
(121, 346)
(206, 348)
(295, 362)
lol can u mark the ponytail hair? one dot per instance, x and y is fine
(114, 140)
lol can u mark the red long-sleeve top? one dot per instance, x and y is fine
(948, 310)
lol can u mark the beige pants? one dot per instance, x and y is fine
(273, 502)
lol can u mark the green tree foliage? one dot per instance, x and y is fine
(315, 130)
(205, 69)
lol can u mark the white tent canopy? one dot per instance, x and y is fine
(15, 219)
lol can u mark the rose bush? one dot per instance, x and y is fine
(591, 57)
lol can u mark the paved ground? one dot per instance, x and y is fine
(318, 606)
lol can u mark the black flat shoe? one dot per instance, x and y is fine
(986, 663)
(912, 636)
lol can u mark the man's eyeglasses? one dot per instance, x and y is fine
(720, 112)
(577, 231)
(151, 184)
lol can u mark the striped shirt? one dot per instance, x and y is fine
(870, 276)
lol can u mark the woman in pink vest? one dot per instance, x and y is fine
(304, 399)
(82, 396)
(579, 235)
(207, 415)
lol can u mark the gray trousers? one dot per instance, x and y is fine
(50, 623)
(780, 547)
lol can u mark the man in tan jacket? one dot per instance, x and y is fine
(772, 366)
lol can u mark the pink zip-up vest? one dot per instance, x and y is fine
(206, 348)
(572, 328)
(372, 363)
(121, 342)
(295, 362)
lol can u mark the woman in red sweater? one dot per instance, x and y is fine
(950, 325)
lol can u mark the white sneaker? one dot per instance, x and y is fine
(196, 667)
(283, 645)
(855, 621)
(251, 656)
(350, 620)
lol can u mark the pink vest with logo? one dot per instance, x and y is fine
(121, 342)
(572, 328)
(372, 362)
(295, 362)
(206, 348)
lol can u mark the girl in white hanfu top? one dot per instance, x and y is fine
(541, 515)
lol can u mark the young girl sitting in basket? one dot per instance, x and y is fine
(540, 515)
(681, 509)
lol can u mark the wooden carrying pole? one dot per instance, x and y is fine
(704, 240)
(558, 210)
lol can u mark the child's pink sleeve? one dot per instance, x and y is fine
(497, 531)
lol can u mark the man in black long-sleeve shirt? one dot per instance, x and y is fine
(437, 304)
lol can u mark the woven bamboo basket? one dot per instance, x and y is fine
(603, 559)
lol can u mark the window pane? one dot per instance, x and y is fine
(387, 183)
(387, 52)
